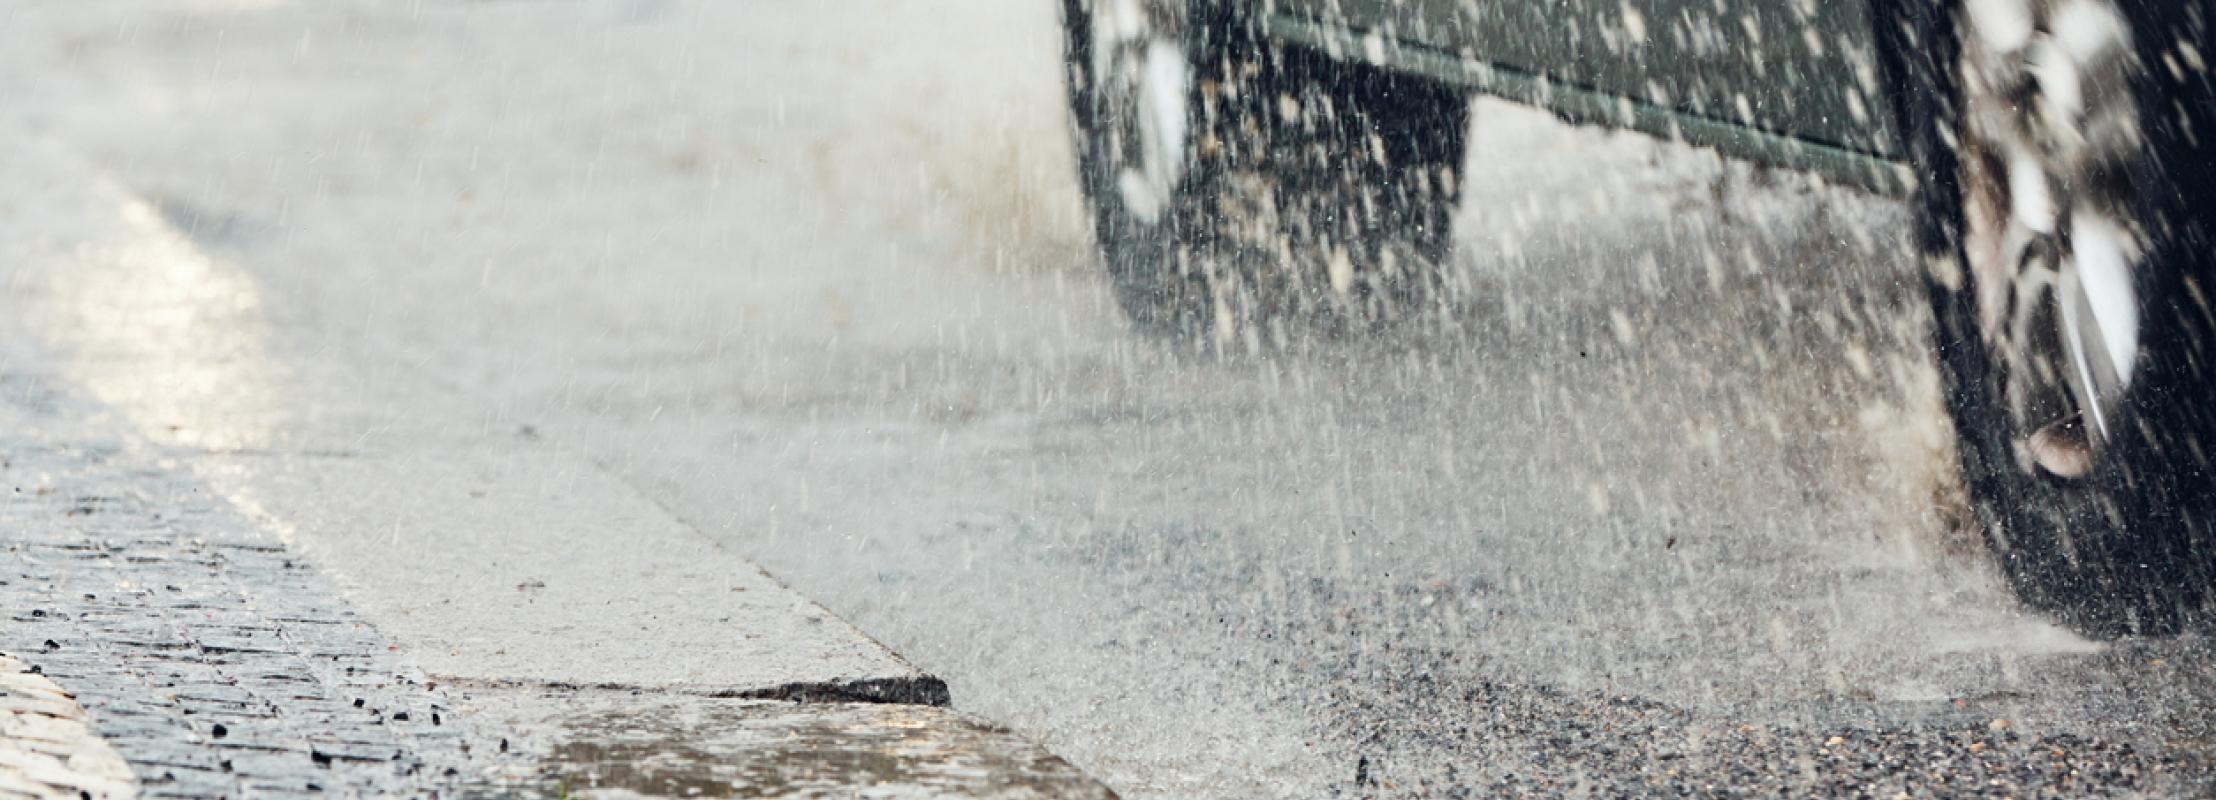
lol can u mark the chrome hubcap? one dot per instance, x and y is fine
(1144, 82)
(2100, 321)
(2046, 238)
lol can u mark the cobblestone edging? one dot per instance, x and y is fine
(201, 650)
(47, 749)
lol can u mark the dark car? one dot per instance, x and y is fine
(1253, 162)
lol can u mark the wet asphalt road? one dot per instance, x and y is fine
(1663, 506)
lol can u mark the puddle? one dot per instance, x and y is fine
(678, 746)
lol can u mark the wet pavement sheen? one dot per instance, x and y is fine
(214, 660)
(694, 747)
(1661, 506)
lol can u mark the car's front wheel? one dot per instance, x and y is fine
(1244, 191)
(2063, 217)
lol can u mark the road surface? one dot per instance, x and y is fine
(1665, 504)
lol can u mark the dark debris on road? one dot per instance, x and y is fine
(1530, 740)
(206, 654)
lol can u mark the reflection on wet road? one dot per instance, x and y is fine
(174, 339)
(1664, 501)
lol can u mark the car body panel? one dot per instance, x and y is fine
(1785, 82)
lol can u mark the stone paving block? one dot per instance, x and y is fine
(169, 619)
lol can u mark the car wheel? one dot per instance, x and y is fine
(1245, 191)
(2062, 215)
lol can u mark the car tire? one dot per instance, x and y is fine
(1304, 193)
(2058, 152)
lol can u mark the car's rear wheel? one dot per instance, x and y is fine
(1245, 192)
(2061, 216)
